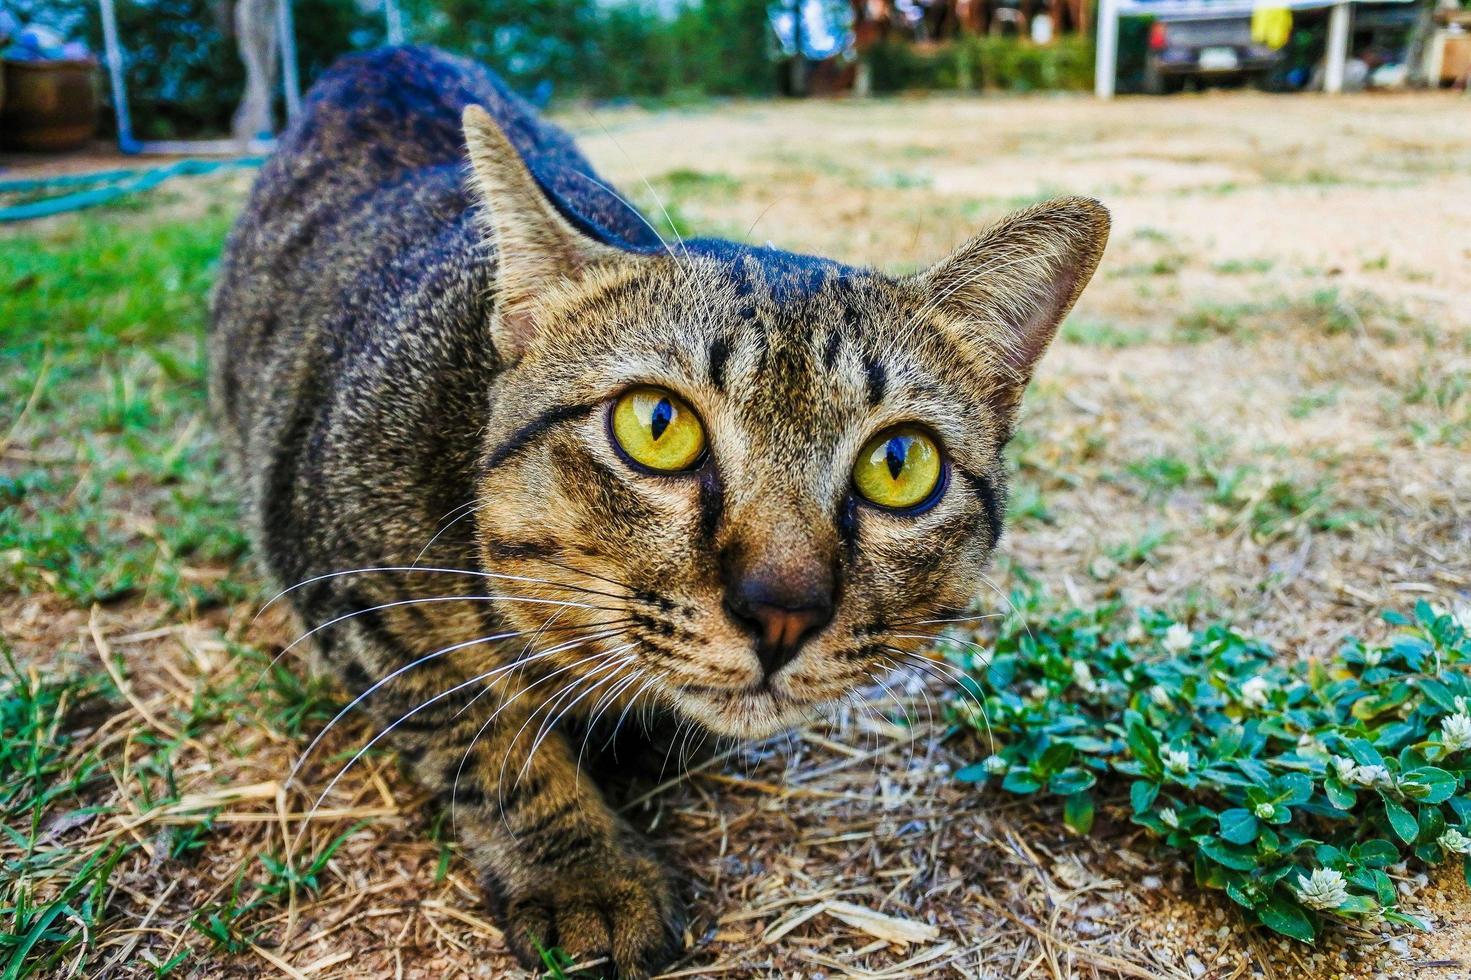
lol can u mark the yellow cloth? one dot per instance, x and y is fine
(1271, 26)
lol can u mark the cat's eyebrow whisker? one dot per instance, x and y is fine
(474, 507)
(655, 194)
(637, 213)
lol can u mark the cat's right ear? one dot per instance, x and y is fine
(537, 249)
(1005, 292)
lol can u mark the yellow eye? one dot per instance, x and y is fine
(898, 468)
(658, 430)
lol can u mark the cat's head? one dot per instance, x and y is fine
(757, 480)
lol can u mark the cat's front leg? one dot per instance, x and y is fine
(561, 868)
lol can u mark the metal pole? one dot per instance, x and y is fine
(290, 81)
(1338, 41)
(125, 140)
(1106, 50)
(395, 17)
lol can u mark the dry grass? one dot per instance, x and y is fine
(1260, 410)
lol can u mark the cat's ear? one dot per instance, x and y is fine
(537, 249)
(1003, 293)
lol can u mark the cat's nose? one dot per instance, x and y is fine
(780, 620)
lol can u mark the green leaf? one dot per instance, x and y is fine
(1142, 794)
(1296, 789)
(1021, 781)
(1405, 826)
(1428, 784)
(1287, 917)
(1055, 757)
(1239, 826)
(1364, 753)
(1077, 813)
(1358, 905)
(973, 773)
(1432, 824)
(1144, 744)
(1339, 795)
(1071, 781)
(1226, 855)
(1376, 853)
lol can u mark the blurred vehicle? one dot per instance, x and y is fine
(1202, 49)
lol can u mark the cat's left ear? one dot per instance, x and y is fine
(537, 249)
(1003, 294)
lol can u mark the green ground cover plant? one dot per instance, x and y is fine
(1300, 789)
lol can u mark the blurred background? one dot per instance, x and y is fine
(182, 64)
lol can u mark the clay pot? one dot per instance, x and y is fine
(49, 105)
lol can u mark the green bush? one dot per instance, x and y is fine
(1296, 788)
(185, 78)
(973, 63)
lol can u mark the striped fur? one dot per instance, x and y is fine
(414, 352)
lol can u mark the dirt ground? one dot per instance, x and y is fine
(1284, 297)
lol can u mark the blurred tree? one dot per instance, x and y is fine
(185, 78)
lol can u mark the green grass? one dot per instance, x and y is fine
(101, 335)
(111, 494)
(1101, 333)
(1270, 503)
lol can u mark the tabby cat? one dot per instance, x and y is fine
(538, 469)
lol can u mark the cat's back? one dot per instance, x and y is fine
(348, 349)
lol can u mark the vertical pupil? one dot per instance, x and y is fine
(894, 455)
(662, 415)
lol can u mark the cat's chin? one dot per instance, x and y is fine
(746, 714)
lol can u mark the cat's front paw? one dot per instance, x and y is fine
(620, 908)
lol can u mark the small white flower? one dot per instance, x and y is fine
(1135, 633)
(1344, 769)
(1455, 841)
(1176, 761)
(1323, 889)
(1083, 676)
(1373, 657)
(1037, 692)
(1177, 638)
(1308, 744)
(1264, 811)
(1159, 695)
(1455, 732)
(996, 766)
(1254, 692)
(1377, 776)
(1170, 818)
(1462, 616)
